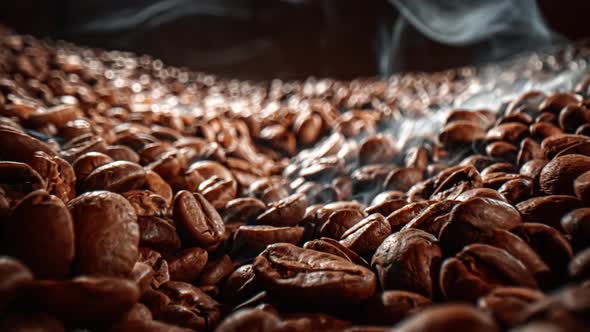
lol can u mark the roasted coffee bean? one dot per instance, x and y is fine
(552, 145)
(155, 184)
(403, 179)
(428, 219)
(18, 180)
(83, 299)
(480, 162)
(256, 238)
(40, 233)
(366, 235)
(155, 260)
(388, 196)
(15, 276)
(460, 133)
(580, 148)
(557, 177)
(106, 233)
(88, 162)
(529, 150)
(187, 265)
(244, 209)
(240, 285)
(339, 222)
(499, 167)
(547, 209)
(251, 320)
(486, 213)
(399, 268)
(22, 147)
(80, 145)
(507, 304)
(398, 219)
(196, 218)
(481, 192)
(118, 176)
(58, 173)
(416, 157)
(218, 191)
(502, 151)
(448, 318)
(143, 275)
(331, 246)
(482, 118)
(216, 271)
(582, 187)
(577, 224)
(309, 275)
(517, 190)
(571, 117)
(377, 149)
(286, 212)
(579, 266)
(392, 306)
(511, 132)
(542, 130)
(549, 243)
(122, 153)
(478, 269)
(183, 304)
(158, 233)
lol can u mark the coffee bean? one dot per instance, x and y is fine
(397, 267)
(480, 268)
(196, 218)
(187, 265)
(547, 209)
(286, 212)
(448, 318)
(106, 233)
(577, 224)
(507, 304)
(309, 275)
(40, 233)
(366, 235)
(15, 275)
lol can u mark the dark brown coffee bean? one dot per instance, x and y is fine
(427, 219)
(339, 222)
(22, 146)
(58, 173)
(216, 271)
(331, 246)
(218, 191)
(187, 265)
(370, 177)
(548, 243)
(106, 233)
(388, 196)
(480, 268)
(251, 320)
(244, 209)
(397, 267)
(499, 167)
(197, 219)
(309, 275)
(83, 299)
(580, 148)
(286, 212)
(516, 117)
(18, 179)
(558, 175)
(529, 150)
(460, 133)
(30, 322)
(146, 203)
(392, 306)
(448, 318)
(512, 132)
(386, 207)
(123, 153)
(88, 162)
(158, 233)
(547, 209)
(416, 157)
(377, 149)
(256, 238)
(582, 187)
(502, 151)
(366, 235)
(398, 219)
(403, 179)
(155, 184)
(552, 145)
(558, 101)
(478, 117)
(40, 233)
(507, 304)
(155, 260)
(517, 190)
(481, 192)
(478, 161)
(143, 275)
(577, 224)
(80, 145)
(452, 183)
(542, 130)
(240, 285)
(118, 176)
(15, 275)
(579, 266)
(183, 304)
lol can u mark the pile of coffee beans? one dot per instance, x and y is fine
(140, 197)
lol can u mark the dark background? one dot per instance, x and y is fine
(279, 40)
